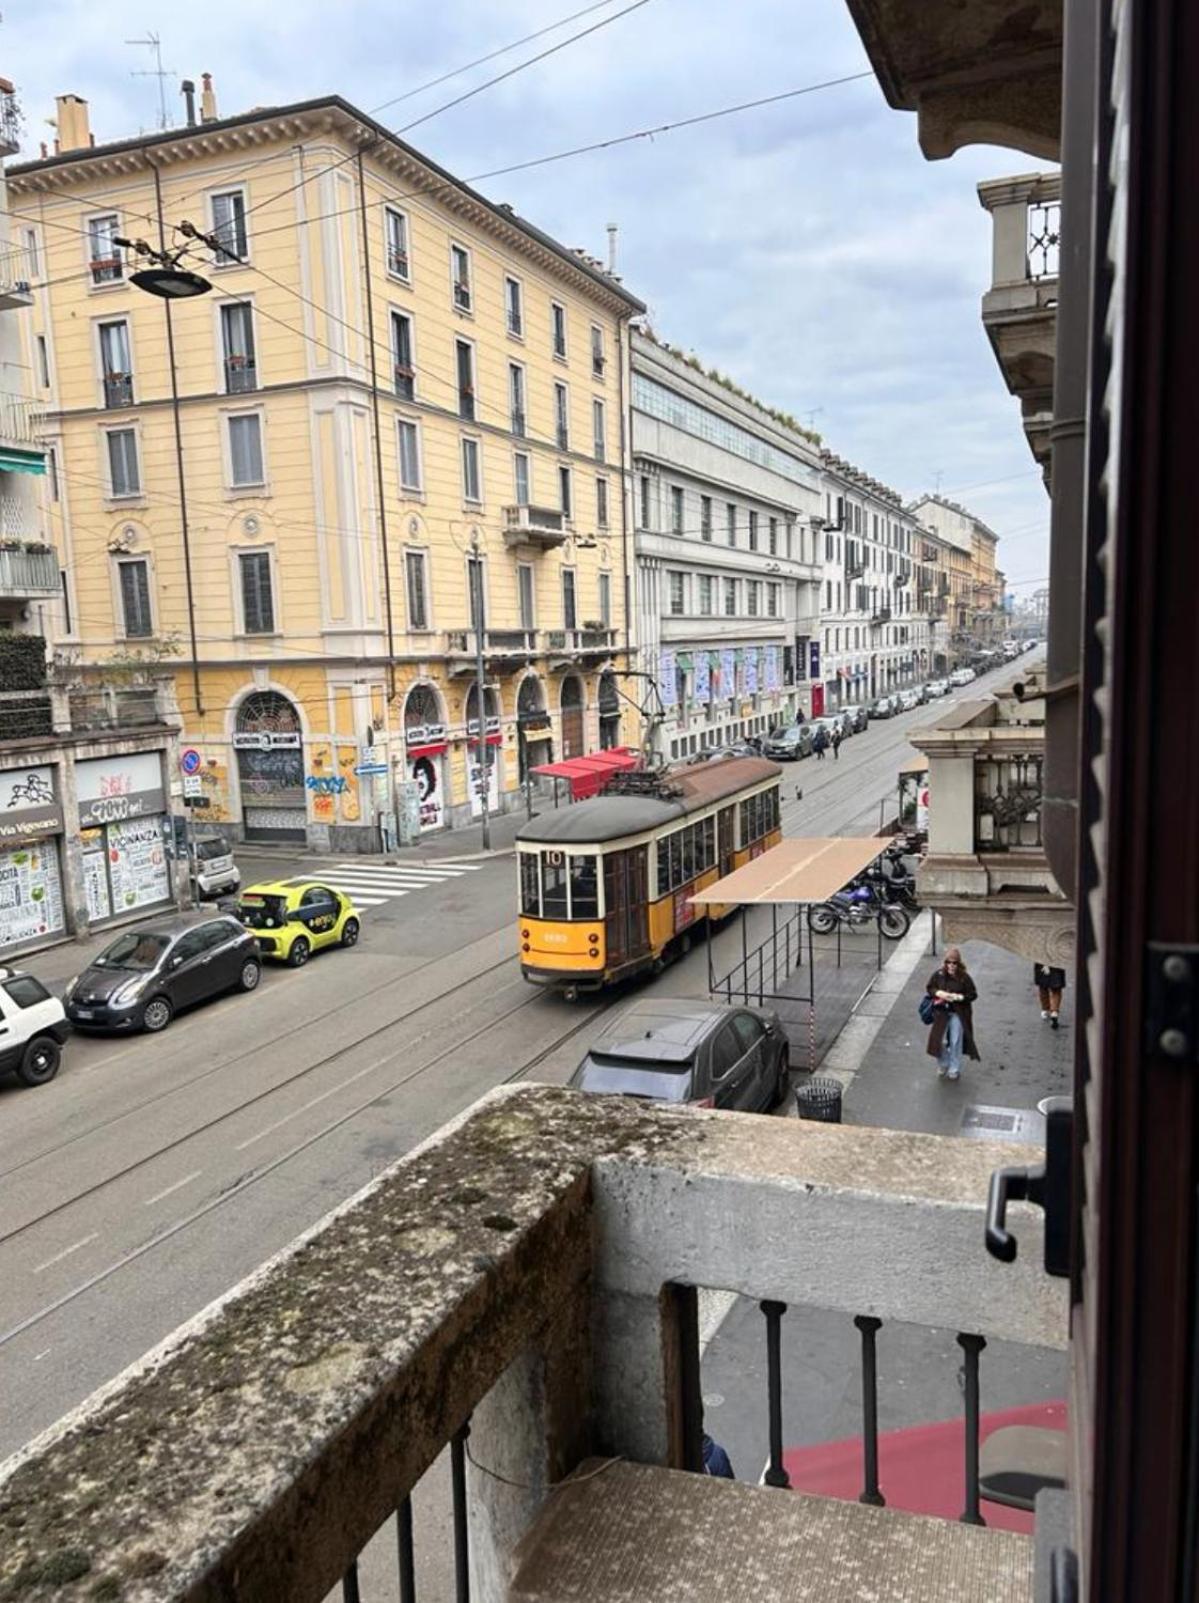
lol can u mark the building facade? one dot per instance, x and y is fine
(725, 495)
(874, 638)
(973, 595)
(396, 419)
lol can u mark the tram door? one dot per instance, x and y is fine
(626, 886)
(726, 838)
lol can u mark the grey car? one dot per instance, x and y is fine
(789, 743)
(697, 1052)
(146, 975)
(858, 716)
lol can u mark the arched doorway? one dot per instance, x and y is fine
(533, 725)
(270, 767)
(425, 747)
(609, 711)
(574, 743)
(478, 785)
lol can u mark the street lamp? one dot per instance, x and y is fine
(165, 278)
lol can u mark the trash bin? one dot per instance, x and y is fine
(819, 1099)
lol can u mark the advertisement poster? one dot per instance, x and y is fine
(667, 679)
(728, 673)
(773, 680)
(813, 659)
(137, 864)
(476, 783)
(429, 777)
(112, 788)
(703, 678)
(751, 671)
(922, 808)
(95, 874)
(30, 893)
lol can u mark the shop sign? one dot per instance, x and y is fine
(114, 788)
(265, 739)
(813, 659)
(483, 780)
(28, 805)
(425, 734)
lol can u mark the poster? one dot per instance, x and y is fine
(110, 788)
(751, 671)
(28, 805)
(95, 874)
(30, 893)
(475, 780)
(137, 864)
(703, 678)
(922, 807)
(667, 679)
(428, 774)
(773, 677)
(728, 673)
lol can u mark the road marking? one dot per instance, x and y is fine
(178, 1186)
(387, 869)
(368, 901)
(311, 1103)
(66, 1252)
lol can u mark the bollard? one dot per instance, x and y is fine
(819, 1099)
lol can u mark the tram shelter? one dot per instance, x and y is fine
(799, 973)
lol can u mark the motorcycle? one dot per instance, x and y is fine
(859, 904)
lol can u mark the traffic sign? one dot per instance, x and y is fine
(193, 785)
(189, 760)
(371, 768)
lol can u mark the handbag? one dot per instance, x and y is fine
(927, 1009)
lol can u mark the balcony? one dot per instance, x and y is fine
(118, 390)
(20, 421)
(1019, 311)
(80, 710)
(503, 649)
(241, 374)
(521, 1288)
(540, 526)
(18, 271)
(26, 573)
(10, 120)
(879, 616)
(985, 871)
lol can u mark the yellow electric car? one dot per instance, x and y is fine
(291, 921)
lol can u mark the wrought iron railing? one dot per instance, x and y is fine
(241, 374)
(26, 573)
(1007, 802)
(1044, 239)
(20, 420)
(118, 389)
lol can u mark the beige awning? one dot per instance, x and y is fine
(805, 869)
(916, 764)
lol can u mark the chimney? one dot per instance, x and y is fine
(612, 247)
(72, 123)
(208, 111)
(188, 90)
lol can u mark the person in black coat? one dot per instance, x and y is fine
(1050, 983)
(951, 1034)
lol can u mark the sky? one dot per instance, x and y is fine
(807, 248)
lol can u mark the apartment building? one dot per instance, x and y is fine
(874, 637)
(393, 424)
(931, 563)
(974, 596)
(727, 571)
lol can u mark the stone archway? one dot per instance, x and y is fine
(533, 725)
(268, 740)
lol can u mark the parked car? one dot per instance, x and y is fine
(145, 976)
(215, 872)
(935, 688)
(290, 922)
(832, 721)
(858, 716)
(908, 699)
(699, 1052)
(788, 743)
(33, 1025)
(881, 707)
(962, 676)
(736, 748)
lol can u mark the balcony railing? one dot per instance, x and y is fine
(10, 123)
(124, 707)
(576, 641)
(1007, 803)
(106, 269)
(563, 437)
(20, 420)
(26, 575)
(18, 270)
(118, 389)
(518, 422)
(397, 262)
(879, 616)
(531, 525)
(404, 375)
(462, 295)
(527, 1279)
(241, 374)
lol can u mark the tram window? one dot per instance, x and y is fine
(676, 859)
(690, 866)
(709, 853)
(663, 865)
(584, 888)
(553, 885)
(530, 891)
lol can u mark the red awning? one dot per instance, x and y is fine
(587, 775)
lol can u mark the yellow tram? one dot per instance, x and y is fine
(605, 885)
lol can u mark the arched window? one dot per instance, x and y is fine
(422, 709)
(267, 712)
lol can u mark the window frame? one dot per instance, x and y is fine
(99, 324)
(394, 273)
(603, 502)
(512, 282)
(475, 441)
(239, 555)
(604, 592)
(518, 371)
(599, 429)
(123, 496)
(472, 389)
(705, 595)
(421, 557)
(408, 490)
(569, 583)
(730, 521)
(678, 509)
(94, 283)
(119, 564)
(562, 414)
(466, 307)
(705, 518)
(599, 354)
(526, 574)
(248, 486)
(566, 491)
(728, 597)
(399, 316)
(562, 355)
(220, 260)
(676, 593)
(224, 355)
(527, 458)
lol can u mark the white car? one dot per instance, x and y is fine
(908, 699)
(33, 1027)
(962, 676)
(935, 688)
(214, 868)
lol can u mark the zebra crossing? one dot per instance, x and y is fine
(375, 884)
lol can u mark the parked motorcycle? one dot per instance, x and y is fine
(859, 904)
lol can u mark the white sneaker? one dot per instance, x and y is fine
(953, 1074)
(941, 1071)
(1044, 1012)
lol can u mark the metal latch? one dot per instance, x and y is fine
(1048, 1187)
(1170, 1013)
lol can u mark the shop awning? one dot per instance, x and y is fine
(806, 869)
(587, 775)
(14, 461)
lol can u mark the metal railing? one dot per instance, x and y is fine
(405, 380)
(26, 573)
(118, 389)
(18, 270)
(19, 519)
(1007, 802)
(1044, 239)
(20, 419)
(124, 707)
(241, 374)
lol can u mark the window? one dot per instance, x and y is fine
(753, 531)
(828, 595)
(31, 247)
(257, 602)
(401, 356)
(104, 255)
(395, 226)
(565, 495)
(52, 472)
(135, 598)
(526, 595)
(773, 537)
(472, 485)
(66, 600)
(418, 590)
(43, 362)
(705, 517)
(752, 603)
(598, 359)
(520, 469)
(558, 328)
(676, 509)
(530, 885)
(464, 357)
(645, 502)
(599, 430)
(460, 273)
(410, 466)
(569, 609)
(730, 598)
(605, 599)
(685, 853)
(116, 365)
(562, 417)
(601, 502)
(475, 582)
(237, 343)
(759, 815)
(705, 594)
(678, 594)
(772, 600)
(515, 306)
(229, 228)
(124, 476)
(730, 513)
(516, 397)
(245, 449)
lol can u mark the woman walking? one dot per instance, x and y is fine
(951, 1034)
(1050, 983)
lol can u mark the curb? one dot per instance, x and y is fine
(848, 1052)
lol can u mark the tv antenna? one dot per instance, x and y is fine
(154, 43)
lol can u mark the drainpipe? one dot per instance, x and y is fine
(374, 372)
(621, 345)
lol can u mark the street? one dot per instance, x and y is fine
(156, 1172)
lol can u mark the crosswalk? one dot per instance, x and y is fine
(374, 884)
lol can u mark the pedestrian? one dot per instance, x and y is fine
(716, 1460)
(1050, 983)
(820, 743)
(951, 1033)
(837, 739)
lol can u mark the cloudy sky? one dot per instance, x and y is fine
(806, 248)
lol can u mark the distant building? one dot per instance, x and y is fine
(975, 595)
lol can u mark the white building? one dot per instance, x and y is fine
(873, 639)
(727, 567)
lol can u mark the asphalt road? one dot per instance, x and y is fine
(156, 1172)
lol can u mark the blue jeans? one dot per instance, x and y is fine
(950, 1057)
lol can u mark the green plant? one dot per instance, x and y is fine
(138, 664)
(22, 662)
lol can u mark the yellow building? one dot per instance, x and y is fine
(393, 385)
(987, 584)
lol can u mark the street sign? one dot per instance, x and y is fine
(193, 785)
(189, 760)
(371, 768)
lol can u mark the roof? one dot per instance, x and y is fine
(605, 818)
(803, 869)
(588, 775)
(168, 138)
